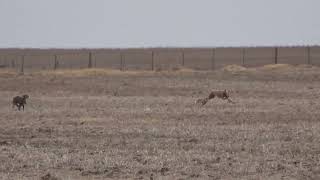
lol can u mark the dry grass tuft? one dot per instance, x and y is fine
(307, 66)
(8, 72)
(234, 68)
(184, 69)
(90, 72)
(276, 67)
(102, 72)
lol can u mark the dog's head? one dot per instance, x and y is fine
(225, 94)
(25, 96)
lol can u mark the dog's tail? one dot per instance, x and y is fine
(202, 101)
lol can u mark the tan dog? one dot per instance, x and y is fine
(219, 94)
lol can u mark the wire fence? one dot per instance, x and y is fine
(156, 59)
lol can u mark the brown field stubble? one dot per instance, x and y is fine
(138, 125)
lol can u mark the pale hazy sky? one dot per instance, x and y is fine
(145, 23)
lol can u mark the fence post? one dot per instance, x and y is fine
(2, 59)
(13, 63)
(276, 55)
(55, 62)
(7, 61)
(309, 54)
(90, 60)
(122, 61)
(22, 65)
(243, 56)
(152, 61)
(182, 62)
(213, 59)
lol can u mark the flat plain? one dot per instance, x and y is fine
(106, 124)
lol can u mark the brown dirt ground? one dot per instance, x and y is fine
(97, 124)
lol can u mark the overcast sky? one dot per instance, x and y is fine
(145, 23)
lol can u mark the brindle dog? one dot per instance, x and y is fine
(20, 101)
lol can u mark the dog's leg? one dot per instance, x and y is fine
(230, 101)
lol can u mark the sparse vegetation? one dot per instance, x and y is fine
(93, 124)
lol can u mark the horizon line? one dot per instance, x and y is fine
(165, 47)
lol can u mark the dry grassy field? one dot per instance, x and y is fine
(104, 124)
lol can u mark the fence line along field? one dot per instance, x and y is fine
(156, 59)
(107, 124)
